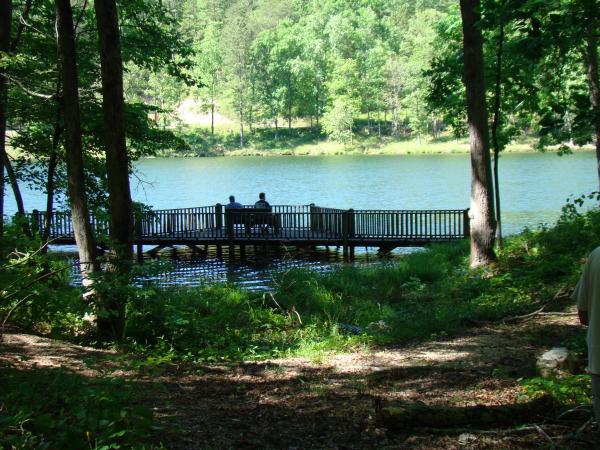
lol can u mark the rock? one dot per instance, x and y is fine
(379, 327)
(466, 438)
(555, 362)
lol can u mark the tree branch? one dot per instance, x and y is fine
(27, 90)
(22, 22)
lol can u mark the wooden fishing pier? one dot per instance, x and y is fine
(302, 226)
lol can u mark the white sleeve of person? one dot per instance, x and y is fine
(587, 296)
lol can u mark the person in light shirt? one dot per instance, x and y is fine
(587, 296)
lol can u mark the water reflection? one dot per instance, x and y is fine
(254, 270)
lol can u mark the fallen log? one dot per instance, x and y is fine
(398, 415)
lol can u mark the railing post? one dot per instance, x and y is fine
(229, 221)
(313, 217)
(35, 218)
(466, 223)
(218, 216)
(351, 228)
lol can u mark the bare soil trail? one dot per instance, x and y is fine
(295, 403)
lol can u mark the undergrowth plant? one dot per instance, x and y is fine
(55, 409)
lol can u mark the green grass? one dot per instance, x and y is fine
(303, 141)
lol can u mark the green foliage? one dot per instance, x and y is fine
(51, 408)
(150, 39)
(34, 289)
(219, 322)
(338, 121)
(572, 389)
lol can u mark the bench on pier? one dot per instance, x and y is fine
(251, 217)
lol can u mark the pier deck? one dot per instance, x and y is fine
(303, 225)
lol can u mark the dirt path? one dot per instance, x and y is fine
(295, 403)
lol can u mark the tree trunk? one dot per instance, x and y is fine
(5, 164)
(117, 164)
(241, 123)
(52, 163)
(276, 129)
(5, 25)
(495, 126)
(418, 124)
(403, 416)
(482, 205)
(212, 117)
(50, 189)
(12, 177)
(82, 229)
(289, 104)
(591, 53)
(369, 122)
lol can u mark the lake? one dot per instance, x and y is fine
(534, 187)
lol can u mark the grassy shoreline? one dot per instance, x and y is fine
(307, 142)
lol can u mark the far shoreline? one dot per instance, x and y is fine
(332, 149)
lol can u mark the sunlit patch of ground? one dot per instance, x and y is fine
(299, 403)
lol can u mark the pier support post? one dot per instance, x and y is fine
(352, 252)
(347, 232)
(242, 251)
(140, 253)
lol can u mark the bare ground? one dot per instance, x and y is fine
(295, 403)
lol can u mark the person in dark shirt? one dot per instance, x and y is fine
(262, 203)
(233, 204)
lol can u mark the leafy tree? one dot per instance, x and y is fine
(237, 38)
(339, 119)
(208, 67)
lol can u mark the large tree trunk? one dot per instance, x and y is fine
(117, 164)
(591, 53)
(482, 205)
(82, 229)
(495, 126)
(5, 25)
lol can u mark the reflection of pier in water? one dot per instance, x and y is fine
(299, 226)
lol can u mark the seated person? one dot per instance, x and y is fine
(233, 204)
(262, 203)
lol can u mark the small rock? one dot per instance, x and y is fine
(466, 438)
(555, 362)
(379, 327)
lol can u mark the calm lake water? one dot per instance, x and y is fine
(534, 187)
